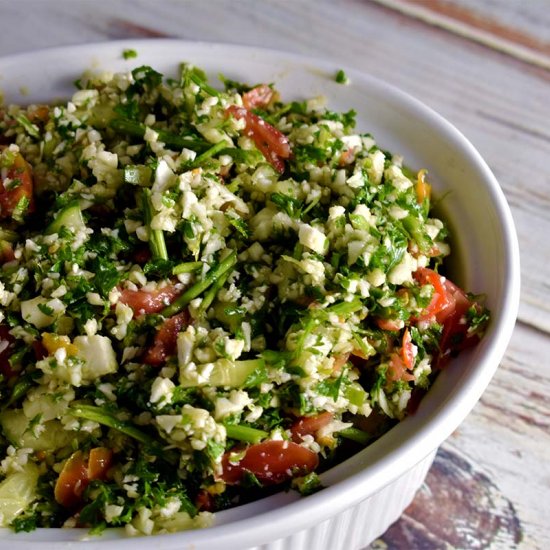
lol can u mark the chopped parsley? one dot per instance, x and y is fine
(204, 279)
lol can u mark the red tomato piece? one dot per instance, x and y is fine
(99, 462)
(455, 335)
(72, 481)
(273, 144)
(258, 97)
(39, 349)
(389, 324)
(407, 350)
(205, 501)
(397, 370)
(441, 304)
(6, 349)
(272, 462)
(19, 172)
(164, 344)
(142, 255)
(309, 425)
(346, 157)
(149, 301)
(448, 307)
(340, 361)
(77, 473)
(402, 360)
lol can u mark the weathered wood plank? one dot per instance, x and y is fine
(516, 29)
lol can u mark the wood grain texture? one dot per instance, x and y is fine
(501, 102)
(483, 23)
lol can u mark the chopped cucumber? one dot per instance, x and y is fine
(41, 401)
(69, 217)
(17, 492)
(225, 373)
(355, 394)
(138, 175)
(46, 437)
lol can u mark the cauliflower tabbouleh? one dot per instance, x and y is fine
(205, 296)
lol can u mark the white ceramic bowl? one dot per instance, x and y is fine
(368, 492)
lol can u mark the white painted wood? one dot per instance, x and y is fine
(505, 26)
(501, 103)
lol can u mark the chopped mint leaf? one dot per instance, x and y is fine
(341, 77)
(129, 54)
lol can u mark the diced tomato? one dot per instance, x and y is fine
(407, 350)
(72, 481)
(309, 425)
(204, 501)
(6, 349)
(273, 144)
(272, 462)
(141, 255)
(99, 462)
(455, 336)
(346, 157)
(149, 301)
(258, 97)
(39, 350)
(164, 344)
(448, 307)
(397, 370)
(389, 324)
(442, 303)
(340, 361)
(19, 173)
(77, 473)
(402, 360)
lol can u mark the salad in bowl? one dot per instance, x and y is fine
(208, 294)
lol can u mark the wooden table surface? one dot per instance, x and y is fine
(485, 66)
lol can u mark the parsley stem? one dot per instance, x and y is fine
(203, 85)
(101, 416)
(186, 267)
(156, 236)
(344, 308)
(355, 434)
(245, 433)
(212, 291)
(21, 387)
(214, 150)
(136, 129)
(365, 347)
(29, 127)
(199, 287)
